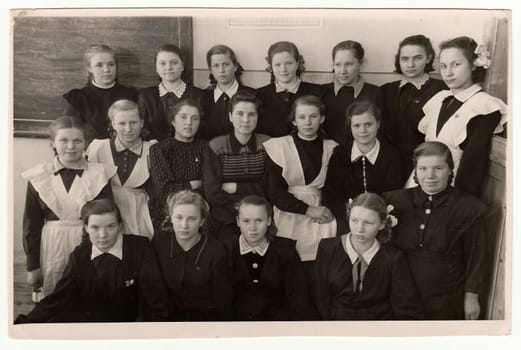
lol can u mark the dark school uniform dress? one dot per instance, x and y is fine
(350, 173)
(385, 292)
(443, 239)
(155, 105)
(173, 164)
(274, 120)
(227, 160)
(337, 102)
(216, 117)
(198, 280)
(106, 288)
(269, 283)
(465, 122)
(402, 112)
(91, 104)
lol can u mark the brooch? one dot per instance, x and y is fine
(129, 282)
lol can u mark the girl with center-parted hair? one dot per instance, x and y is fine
(194, 265)
(347, 87)
(130, 153)
(268, 280)
(441, 231)
(405, 98)
(366, 164)
(157, 102)
(359, 275)
(56, 191)
(465, 117)
(225, 73)
(285, 64)
(92, 102)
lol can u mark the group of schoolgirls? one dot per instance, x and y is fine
(266, 204)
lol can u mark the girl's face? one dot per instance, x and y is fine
(103, 230)
(364, 128)
(69, 144)
(169, 66)
(128, 125)
(308, 120)
(413, 59)
(284, 67)
(364, 224)
(455, 69)
(223, 69)
(346, 67)
(432, 173)
(187, 221)
(102, 66)
(244, 118)
(186, 123)
(253, 220)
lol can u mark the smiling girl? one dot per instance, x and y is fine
(157, 102)
(56, 192)
(92, 102)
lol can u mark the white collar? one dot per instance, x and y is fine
(357, 86)
(371, 156)
(178, 91)
(293, 89)
(232, 90)
(353, 255)
(418, 85)
(116, 250)
(464, 95)
(102, 87)
(245, 248)
(57, 165)
(137, 148)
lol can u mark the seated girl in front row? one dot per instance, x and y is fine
(359, 276)
(112, 277)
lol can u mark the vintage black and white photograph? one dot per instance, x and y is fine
(263, 168)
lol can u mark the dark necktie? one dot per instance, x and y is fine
(106, 277)
(449, 106)
(68, 176)
(347, 91)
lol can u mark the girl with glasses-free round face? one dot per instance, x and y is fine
(223, 70)
(413, 60)
(284, 66)
(187, 222)
(364, 128)
(169, 67)
(128, 125)
(364, 224)
(253, 221)
(102, 67)
(308, 120)
(103, 230)
(186, 123)
(432, 173)
(69, 144)
(346, 67)
(455, 69)
(244, 118)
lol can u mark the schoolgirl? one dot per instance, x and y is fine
(176, 162)
(347, 87)
(441, 231)
(365, 164)
(362, 277)
(464, 117)
(112, 277)
(225, 72)
(268, 280)
(194, 265)
(129, 152)
(405, 98)
(92, 102)
(285, 64)
(234, 164)
(157, 102)
(296, 171)
(56, 191)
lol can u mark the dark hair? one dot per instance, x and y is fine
(179, 105)
(223, 50)
(352, 45)
(307, 100)
(376, 203)
(260, 202)
(361, 107)
(468, 46)
(188, 197)
(245, 96)
(173, 49)
(415, 40)
(433, 148)
(68, 122)
(285, 46)
(95, 49)
(98, 207)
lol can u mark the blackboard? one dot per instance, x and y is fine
(48, 59)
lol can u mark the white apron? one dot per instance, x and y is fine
(60, 237)
(454, 131)
(131, 200)
(299, 227)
